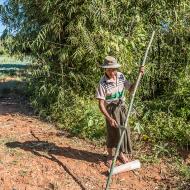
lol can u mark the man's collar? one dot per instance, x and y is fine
(107, 79)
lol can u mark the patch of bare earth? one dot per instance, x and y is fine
(34, 155)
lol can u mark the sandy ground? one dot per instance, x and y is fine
(34, 155)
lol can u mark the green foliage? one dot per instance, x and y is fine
(167, 128)
(68, 41)
(80, 116)
(184, 169)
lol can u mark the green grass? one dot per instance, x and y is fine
(12, 67)
(5, 59)
(23, 173)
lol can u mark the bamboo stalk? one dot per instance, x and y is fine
(128, 114)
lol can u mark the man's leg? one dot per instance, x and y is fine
(126, 144)
(109, 152)
(109, 157)
(123, 158)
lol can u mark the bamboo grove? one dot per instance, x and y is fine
(68, 41)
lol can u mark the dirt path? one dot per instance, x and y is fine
(34, 155)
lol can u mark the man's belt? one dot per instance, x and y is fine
(117, 102)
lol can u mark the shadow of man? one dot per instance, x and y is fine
(52, 149)
(38, 148)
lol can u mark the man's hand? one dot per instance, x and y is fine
(113, 122)
(141, 70)
(102, 107)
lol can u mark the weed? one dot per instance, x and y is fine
(23, 173)
(14, 162)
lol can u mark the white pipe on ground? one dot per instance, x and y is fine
(127, 167)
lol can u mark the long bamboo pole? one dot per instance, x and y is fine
(128, 113)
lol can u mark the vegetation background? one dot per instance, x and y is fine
(68, 40)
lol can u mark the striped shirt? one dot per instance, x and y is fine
(110, 90)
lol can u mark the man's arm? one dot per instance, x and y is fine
(102, 107)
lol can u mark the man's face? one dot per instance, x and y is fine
(111, 72)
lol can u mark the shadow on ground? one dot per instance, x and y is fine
(14, 104)
(11, 86)
(40, 147)
(13, 99)
(50, 150)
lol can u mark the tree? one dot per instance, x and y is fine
(70, 39)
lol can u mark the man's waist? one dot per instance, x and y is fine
(116, 102)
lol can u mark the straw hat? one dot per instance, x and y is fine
(110, 62)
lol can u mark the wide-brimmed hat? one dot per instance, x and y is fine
(110, 62)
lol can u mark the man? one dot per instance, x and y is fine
(110, 94)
